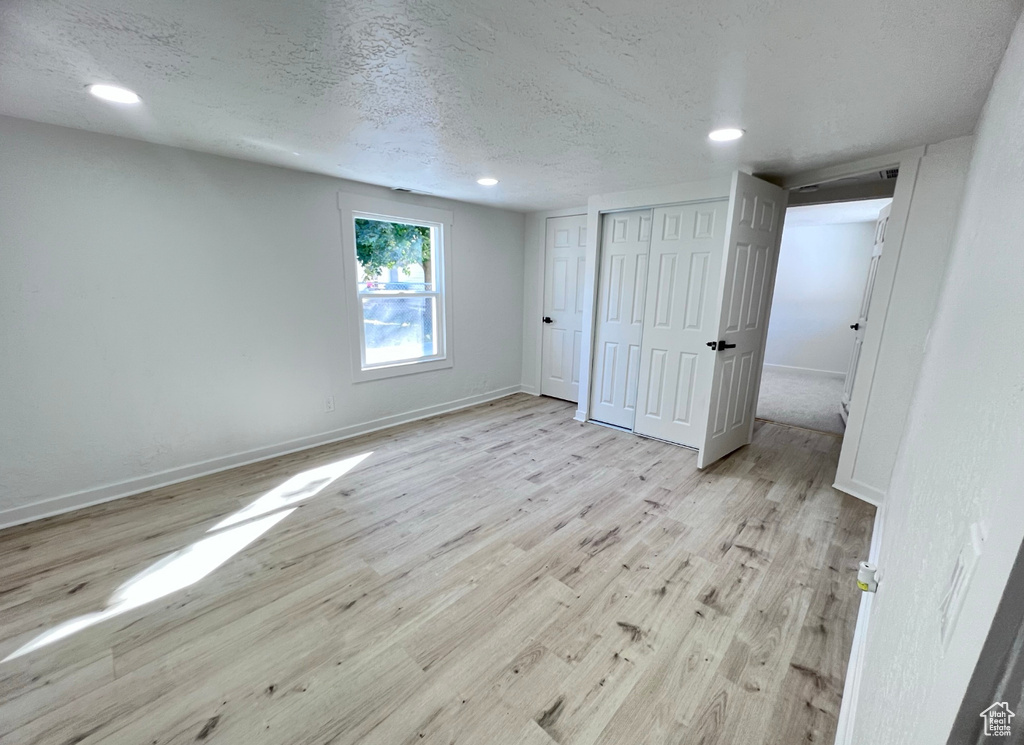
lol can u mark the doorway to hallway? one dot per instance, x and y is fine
(822, 291)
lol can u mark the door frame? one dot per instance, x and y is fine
(909, 162)
(535, 250)
(602, 204)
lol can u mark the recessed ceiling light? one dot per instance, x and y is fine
(113, 93)
(725, 135)
(487, 181)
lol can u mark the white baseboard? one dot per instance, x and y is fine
(861, 491)
(98, 495)
(851, 689)
(531, 389)
(855, 668)
(811, 370)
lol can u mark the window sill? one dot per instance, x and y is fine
(361, 375)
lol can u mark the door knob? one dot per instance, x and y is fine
(713, 345)
(722, 345)
(855, 327)
(548, 319)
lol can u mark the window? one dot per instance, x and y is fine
(400, 260)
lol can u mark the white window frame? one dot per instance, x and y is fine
(354, 206)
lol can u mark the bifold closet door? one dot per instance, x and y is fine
(622, 278)
(680, 317)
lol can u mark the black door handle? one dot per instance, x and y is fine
(720, 345)
(855, 327)
(548, 319)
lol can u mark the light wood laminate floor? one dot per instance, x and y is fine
(502, 574)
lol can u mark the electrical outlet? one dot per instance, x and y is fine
(959, 581)
(329, 404)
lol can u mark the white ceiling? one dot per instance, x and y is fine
(558, 99)
(807, 215)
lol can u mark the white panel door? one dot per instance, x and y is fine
(860, 327)
(751, 256)
(564, 261)
(680, 315)
(622, 278)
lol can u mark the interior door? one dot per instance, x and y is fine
(681, 314)
(748, 276)
(564, 261)
(861, 325)
(622, 280)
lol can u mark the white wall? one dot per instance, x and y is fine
(160, 308)
(818, 290)
(960, 458)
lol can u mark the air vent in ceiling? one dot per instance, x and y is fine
(401, 189)
(889, 173)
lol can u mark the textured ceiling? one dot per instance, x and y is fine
(558, 99)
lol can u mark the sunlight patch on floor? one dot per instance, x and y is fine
(189, 565)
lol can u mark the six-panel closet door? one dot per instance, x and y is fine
(622, 279)
(680, 317)
(748, 277)
(683, 298)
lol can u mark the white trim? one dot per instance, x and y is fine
(851, 687)
(890, 267)
(407, 367)
(863, 492)
(909, 162)
(599, 204)
(823, 373)
(354, 205)
(89, 497)
(855, 667)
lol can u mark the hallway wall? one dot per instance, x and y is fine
(818, 290)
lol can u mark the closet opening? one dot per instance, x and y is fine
(832, 240)
(678, 295)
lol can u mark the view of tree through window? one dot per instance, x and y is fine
(398, 290)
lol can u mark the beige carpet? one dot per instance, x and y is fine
(801, 399)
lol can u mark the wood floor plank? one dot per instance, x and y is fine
(501, 574)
